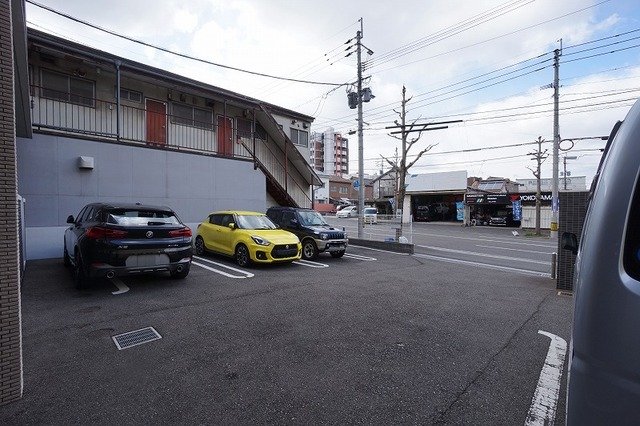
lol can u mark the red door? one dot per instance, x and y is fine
(225, 142)
(156, 122)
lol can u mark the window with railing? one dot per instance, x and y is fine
(130, 95)
(188, 115)
(67, 88)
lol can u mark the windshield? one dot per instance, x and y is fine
(254, 222)
(134, 217)
(311, 218)
(370, 211)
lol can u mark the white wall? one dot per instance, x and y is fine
(529, 217)
(192, 185)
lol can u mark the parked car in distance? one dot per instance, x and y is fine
(370, 215)
(604, 367)
(503, 218)
(247, 237)
(423, 214)
(110, 240)
(315, 234)
(348, 211)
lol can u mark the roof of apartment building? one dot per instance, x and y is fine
(44, 39)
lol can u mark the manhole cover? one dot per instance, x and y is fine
(135, 338)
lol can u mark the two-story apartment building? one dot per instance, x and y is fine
(109, 129)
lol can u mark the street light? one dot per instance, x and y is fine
(564, 160)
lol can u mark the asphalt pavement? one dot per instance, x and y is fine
(374, 337)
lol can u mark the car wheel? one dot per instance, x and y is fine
(309, 250)
(79, 274)
(199, 246)
(242, 255)
(337, 253)
(65, 257)
(182, 274)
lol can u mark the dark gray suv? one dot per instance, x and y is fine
(315, 234)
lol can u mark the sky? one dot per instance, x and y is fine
(487, 63)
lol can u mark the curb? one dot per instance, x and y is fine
(383, 245)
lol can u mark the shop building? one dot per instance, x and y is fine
(435, 196)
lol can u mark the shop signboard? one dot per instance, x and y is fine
(474, 198)
(530, 199)
(496, 199)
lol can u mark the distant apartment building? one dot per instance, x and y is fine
(329, 152)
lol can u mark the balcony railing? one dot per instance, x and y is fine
(156, 127)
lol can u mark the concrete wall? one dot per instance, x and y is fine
(193, 185)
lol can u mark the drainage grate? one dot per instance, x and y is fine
(135, 338)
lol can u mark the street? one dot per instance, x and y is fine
(482, 246)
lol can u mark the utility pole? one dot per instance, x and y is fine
(556, 140)
(360, 137)
(539, 156)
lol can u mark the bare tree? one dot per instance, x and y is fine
(402, 168)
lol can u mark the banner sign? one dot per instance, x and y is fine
(459, 210)
(517, 210)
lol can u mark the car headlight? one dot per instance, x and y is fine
(260, 241)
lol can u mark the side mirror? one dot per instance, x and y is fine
(70, 219)
(293, 222)
(570, 242)
(232, 225)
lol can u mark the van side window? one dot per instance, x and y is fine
(631, 256)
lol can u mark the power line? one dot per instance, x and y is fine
(500, 36)
(451, 31)
(182, 55)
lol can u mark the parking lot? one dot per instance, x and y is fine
(373, 337)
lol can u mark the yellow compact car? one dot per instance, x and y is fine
(247, 237)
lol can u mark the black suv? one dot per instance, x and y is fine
(314, 233)
(108, 240)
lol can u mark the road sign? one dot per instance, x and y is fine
(356, 184)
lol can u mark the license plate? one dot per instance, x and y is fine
(147, 260)
(336, 247)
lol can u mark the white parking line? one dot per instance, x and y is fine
(512, 249)
(122, 287)
(483, 265)
(358, 257)
(494, 256)
(545, 398)
(244, 274)
(310, 264)
(515, 240)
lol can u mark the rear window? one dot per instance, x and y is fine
(631, 256)
(135, 217)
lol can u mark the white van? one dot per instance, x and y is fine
(604, 359)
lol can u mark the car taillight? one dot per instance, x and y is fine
(184, 232)
(97, 232)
